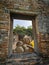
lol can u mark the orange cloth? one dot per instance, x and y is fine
(32, 43)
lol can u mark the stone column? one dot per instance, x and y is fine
(10, 38)
(35, 35)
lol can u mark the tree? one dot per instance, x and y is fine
(29, 31)
(20, 30)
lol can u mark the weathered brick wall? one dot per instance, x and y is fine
(43, 26)
(41, 6)
(4, 32)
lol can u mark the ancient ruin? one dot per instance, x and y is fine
(35, 10)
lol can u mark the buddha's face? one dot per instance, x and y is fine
(27, 41)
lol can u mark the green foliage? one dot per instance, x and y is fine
(23, 31)
(19, 30)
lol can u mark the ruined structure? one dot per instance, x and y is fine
(38, 9)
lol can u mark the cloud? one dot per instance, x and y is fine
(24, 23)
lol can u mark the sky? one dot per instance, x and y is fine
(24, 23)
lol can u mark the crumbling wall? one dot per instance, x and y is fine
(43, 27)
(4, 32)
(41, 6)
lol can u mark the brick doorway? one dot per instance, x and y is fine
(22, 16)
